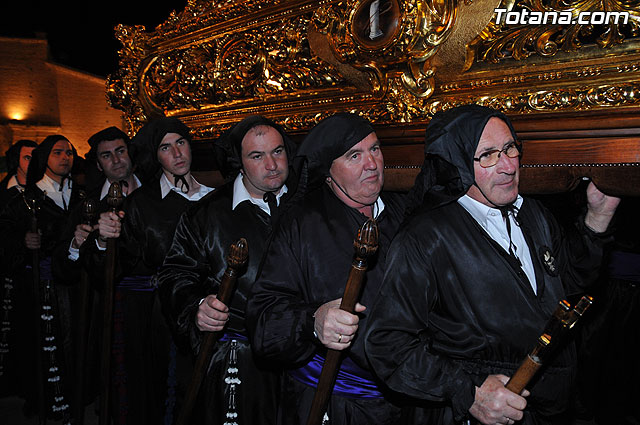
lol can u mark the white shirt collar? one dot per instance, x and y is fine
(490, 219)
(13, 181)
(166, 186)
(241, 194)
(378, 208)
(52, 189)
(105, 187)
(480, 211)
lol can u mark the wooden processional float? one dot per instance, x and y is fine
(571, 87)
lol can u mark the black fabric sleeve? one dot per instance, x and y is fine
(398, 343)
(182, 280)
(279, 319)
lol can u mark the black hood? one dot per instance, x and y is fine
(451, 140)
(146, 141)
(40, 158)
(228, 148)
(328, 140)
(13, 154)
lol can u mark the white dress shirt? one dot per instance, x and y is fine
(241, 194)
(51, 188)
(166, 186)
(490, 219)
(107, 184)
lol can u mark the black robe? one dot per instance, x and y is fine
(72, 273)
(64, 269)
(15, 222)
(7, 194)
(193, 269)
(453, 309)
(306, 266)
(143, 352)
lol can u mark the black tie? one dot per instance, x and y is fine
(184, 186)
(270, 199)
(124, 185)
(64, 201)
(505, 210)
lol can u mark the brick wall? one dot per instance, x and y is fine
(38, 98)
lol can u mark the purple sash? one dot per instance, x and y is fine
(233, 335)
(136, 283)
(45, 269)
(352, 380)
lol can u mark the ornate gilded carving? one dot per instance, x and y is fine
(557, 99)
(385, 37)
(256, 64)
(122, 87)
(547, 36)
(298, 61)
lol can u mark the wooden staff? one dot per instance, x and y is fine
(114, 199)
(236, 259)
(365, 245)
(563, 319)
(89, 208)
(32, 205)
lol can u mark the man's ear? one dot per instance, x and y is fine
(99, 167)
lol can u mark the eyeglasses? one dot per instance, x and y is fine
(490, 158)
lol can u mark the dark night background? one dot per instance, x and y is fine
(80, 34)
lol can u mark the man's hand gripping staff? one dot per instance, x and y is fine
(236, 260)
(365, 245)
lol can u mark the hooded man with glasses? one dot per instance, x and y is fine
(473, 276)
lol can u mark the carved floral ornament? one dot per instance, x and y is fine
(299, 61)
(542, 31)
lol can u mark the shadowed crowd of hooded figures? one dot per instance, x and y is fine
(113, 280)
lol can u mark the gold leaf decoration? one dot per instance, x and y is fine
(545, 37)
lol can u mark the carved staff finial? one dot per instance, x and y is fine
(555, 333)
(366, 242)
(115, 197)
(238, 254)
(89, 210)
(365, 245)
(236, 260)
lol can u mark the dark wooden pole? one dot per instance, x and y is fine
(236, 259)
(32, 204)
(88, 215)
(114, 199)
(365, 245)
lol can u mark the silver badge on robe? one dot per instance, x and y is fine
(548, 261)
